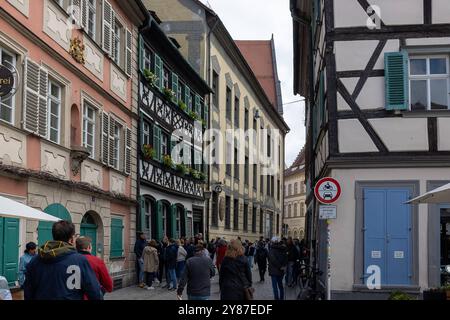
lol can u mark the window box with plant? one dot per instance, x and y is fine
(149, 152)
(150, 77)
(182, 168)
(167, 161)
(182, 105)
(194, 115)
(398, 295)
(169, 94)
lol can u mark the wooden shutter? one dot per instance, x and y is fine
(31, 96)
(107, 27)
(43, 93)
(185, 222)
(113, 35)
(84, 13)
(157, 142)
(127, 153)
(112, 124)
(141, 53)
(116, 237)
(159, 225)
(10, 242)
(187, 98)
(105, 140)
(396, 80)
(175, 87)
(128, 52)
(159, 72)
(142, 226)
(173, 221)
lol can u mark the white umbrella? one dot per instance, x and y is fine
(438, 195)
(13, 209)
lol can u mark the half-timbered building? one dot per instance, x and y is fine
(376, 77)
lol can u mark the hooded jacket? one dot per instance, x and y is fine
(59, 272)
(171, 256)
(278, 259)
(234, 277)
(151, 259)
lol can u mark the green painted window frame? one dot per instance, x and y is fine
(117, 245)
(396, 80)
(157, 142)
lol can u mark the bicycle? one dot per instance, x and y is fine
(311, 287)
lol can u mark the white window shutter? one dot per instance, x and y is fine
(129, 53)
(113, 34)
(127, 164)
(112, 125)
(84, 13)
(43, 93)
(107, 27)
(31, 96)
(105, 138)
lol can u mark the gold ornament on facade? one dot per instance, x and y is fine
(77, 50)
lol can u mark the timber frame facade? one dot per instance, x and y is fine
(351, 75)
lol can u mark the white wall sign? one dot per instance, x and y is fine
(327, 212)
(399, 254)
(376, 254)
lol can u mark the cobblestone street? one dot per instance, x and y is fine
(263, 291)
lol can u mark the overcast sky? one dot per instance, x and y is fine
(258, 20)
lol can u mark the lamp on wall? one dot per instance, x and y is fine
(257, 116)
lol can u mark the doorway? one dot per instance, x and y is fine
(88, 228)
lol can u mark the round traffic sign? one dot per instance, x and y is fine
(327, 190)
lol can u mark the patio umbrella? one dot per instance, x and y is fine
(13, 209)
(438, 195)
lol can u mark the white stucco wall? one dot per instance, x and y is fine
(353, 137)
(441, 11)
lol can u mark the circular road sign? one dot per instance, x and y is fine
(327, 190)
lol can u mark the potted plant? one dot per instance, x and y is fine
(150, 77)
(435, 294)
(167, 161)
(195, 174)
(193, 115)
(398, 295)
(168, 93)
(202, 176)
(149, 152)
(182, 105)
(181, 168)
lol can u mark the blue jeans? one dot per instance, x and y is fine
(198, 297)
(141, 270)
(172, 278)
(277, 286)
(289, 273)
(250, 261)
(180, 268)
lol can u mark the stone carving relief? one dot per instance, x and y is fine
(91, 174)
(11, 150)
(118, 83)
(56, 25)
(54, 163)
(117, 184)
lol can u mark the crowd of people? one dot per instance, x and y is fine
(64, 268)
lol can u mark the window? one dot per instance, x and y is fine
(255, 175)
(215, 209)
(236, 214)
(7, 104)
(89, 128)
(254, 219)
(116, 147)
(302, 209)
(54, 109)
(246, 124)
(91, 7)
(116, 237)
(290, 189)
(290, 211)
(146, 133)
(268, 185)
(429, 83)
(261, 221)
(166, 74)
(178, 223)
(269, 145)
(117, 41)
(278, 189)
(236, 162)
(164, 144)
(227, 212)
(228, 104)
(295, 210)
(215, 87)
(148, 59)
(236, 112)
(246, 169)
(164, 220)
(245, 217)
(229, 159)
(295, 188)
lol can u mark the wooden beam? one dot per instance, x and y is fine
(359, 73)
(432, 134)
(369, 114)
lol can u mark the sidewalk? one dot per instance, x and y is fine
(263, 291)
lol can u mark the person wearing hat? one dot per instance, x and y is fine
(197, 275)
(278, 260)
(29, 253)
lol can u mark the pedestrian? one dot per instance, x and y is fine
(190, 248)
(197, 275)
(261, 255)
(277, 266)
(162, 261)
(84, 247)
(151, 263)
(5, 293)
(205, 251)
(212, 249)
(234, 275)
(293, 256)
(250, 253)
(220, 252)
(181, 259)
(59, 272)
(139, 246)
(171, 264)
(29, 253)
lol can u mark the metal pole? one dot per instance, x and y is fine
(329, 260)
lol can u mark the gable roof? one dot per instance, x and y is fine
(298, 165)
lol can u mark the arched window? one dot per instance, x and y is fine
(290, 211)
(302, 209)
(302, 233)
(295, 210)
(295, 188)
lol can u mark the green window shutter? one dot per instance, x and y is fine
(10, 256)
(141, 122)
(396, 80)
(141, 226)
(141, 53)
(206, 114)
(198, 108)
(159, 72)
(175, 87)
(173, 220)
(2, 222)
(159, 224)
(185, 222)
(116, 237)
(187, 98)
(157, 142)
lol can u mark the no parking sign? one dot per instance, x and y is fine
(327, 190)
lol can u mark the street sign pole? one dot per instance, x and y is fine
(329, 260)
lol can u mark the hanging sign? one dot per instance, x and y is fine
(6, 81)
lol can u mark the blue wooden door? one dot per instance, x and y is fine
(9, 251)
(387, 234)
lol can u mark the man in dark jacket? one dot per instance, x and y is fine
(190, 248)
(293, 256)
(171, 263)
(261, 259)
(277, 265)
(139, 246)
(162, 261)
(59, 272)
(197, 274)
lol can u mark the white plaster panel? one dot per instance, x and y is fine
(91, 173)
(400, 134)
(353, 137)
(372, 94)
(428, 41)
(12, 147)
(354, 55)
(21, 5)
(400, 11)
(118, 82)
(56, 24)
(55, 160)
(440, 11)
(349, 13)
(93, 58)
(117, 183)
(444, 134)
(391, 46)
